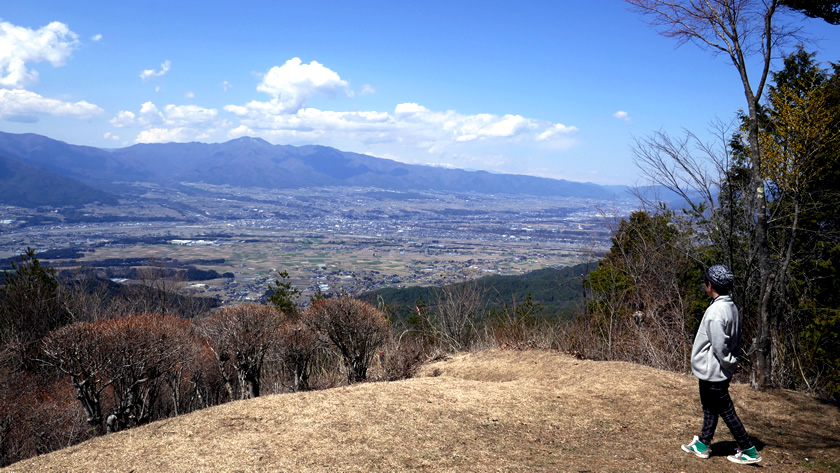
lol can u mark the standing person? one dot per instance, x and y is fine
(714, 359)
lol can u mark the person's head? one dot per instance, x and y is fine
(720, 279)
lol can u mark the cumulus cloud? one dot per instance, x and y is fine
(622, 115)
(409, 124)
(163, 135)
(226, 86)
(407, 109)
(556, 130)
(96, 37)
(293, 83)
(367, 89)
(287, 118)
(173, 123)
(21, 46)
(150, 73)
(110, 136)
(20, 103)
(188, 115)
(123, 119)
(411, 130)
(172, 115)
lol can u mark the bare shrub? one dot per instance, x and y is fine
(296, 350)
(354, 328)
(37, 415)
(403, 356)
(240, 337)
(515, 324)
(79, 352)
(144, 348)
(193, 382)
(456, 316)
(130, 356)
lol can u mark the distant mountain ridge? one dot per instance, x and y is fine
(28, 185)
(253, 162)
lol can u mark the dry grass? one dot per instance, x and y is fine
(492, 410)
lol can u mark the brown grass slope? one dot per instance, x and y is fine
(492, 410)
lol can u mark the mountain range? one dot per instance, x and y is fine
(80, 174)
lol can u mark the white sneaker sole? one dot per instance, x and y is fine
(688, 449)
(742, 461)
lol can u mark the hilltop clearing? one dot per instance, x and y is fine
(495, 410)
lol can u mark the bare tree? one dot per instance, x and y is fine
(740, 30)
(240, 337)
(142, 349)
(355, 328)
(296, 349)
(77, 351)
(129, 355)
(686, 166)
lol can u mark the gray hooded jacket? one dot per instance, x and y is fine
(714, 355)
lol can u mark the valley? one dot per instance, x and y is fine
(329, 239)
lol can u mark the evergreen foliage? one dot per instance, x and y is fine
(30, 305)
(558, 292)
(282, 295)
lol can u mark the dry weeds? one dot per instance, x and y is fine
(494, 410)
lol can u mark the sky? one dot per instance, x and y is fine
(559, 88)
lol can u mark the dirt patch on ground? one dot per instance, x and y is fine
(495, 410)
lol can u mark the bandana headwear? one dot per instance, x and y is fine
(720, 275)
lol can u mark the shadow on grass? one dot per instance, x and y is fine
(722, 449)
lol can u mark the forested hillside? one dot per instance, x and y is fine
(557, 291)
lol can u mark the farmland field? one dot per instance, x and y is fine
(333, 240)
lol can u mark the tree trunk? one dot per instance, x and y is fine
(760, 375)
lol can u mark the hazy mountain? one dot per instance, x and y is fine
(253, 162)
(27, 185)
(84, 163)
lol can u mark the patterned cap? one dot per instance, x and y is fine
(720, 275)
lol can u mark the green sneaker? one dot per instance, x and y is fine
(745, 457)
(697, 447)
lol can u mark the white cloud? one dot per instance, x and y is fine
(554, 131)
(150, 115)
(188, 115)
(110, 136)
(367, 89)
(19, 102)
(508, 125)
(149, 73)
(96, 37)
(410, 124)
(622, 115)
(226, 86)
(173, 123)
(190, 94)
(20, 46)
(163, 135)
(293, 83)
(404, 109)
(172, 115)
(123, 119)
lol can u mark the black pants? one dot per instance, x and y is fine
(714, 396)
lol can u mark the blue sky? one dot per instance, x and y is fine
(548, 88)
